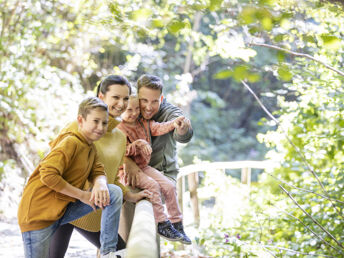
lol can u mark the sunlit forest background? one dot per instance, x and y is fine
(259, 79)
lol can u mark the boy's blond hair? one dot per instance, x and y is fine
(89, 104)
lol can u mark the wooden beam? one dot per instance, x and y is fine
(142, 240)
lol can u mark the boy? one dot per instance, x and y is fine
(53, 195)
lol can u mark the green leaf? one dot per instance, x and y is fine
(175, 26)
(309, 38)
(141, 14)
(284, 73)
(253, 77)
(267, 23)
(279, 37)
(157, 23)
(116, 11)
(266, 2)
(240, 72)
(280, 56)
(215, 5)
(223, 74)
(254, 29)
(248, 15)
(331, 41)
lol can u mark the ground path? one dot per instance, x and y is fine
(11, 245)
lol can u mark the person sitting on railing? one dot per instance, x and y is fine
(139, 132)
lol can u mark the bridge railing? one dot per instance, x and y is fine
(142, 240)
(137, 224)
(191, 172)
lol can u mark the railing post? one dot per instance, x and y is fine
(193, 196)
(246, 176)
(180, 191)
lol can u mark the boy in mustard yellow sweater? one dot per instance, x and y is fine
(53, 195)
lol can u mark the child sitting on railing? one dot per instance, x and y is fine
(139, 132)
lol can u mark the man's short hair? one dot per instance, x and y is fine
(149, 81)
(89, 104)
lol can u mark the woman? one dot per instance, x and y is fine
(114, 90)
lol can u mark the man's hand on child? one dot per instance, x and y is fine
(131, 171)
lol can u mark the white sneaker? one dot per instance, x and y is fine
(122, 253)
(118, 254)
(108, 255)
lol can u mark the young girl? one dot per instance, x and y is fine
(114, 90)
(139, 132)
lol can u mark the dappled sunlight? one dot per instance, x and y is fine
(223, 200)
(259, 80)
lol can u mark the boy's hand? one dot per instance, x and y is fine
(100, 194)
(135, 197)
(85, 198)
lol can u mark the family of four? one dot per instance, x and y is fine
(82, 182)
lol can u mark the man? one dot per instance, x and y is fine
(164, 149)
(154, 106)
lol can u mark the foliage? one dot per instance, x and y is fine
(313, 123)
(53, 52)
(253, 222)
(69, 45)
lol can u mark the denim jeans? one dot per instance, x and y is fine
(36, 242)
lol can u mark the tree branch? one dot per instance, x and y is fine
(303, 189)
(318, 236)
(197, 22)
(296, 252)
(310, 216)
(303, 158)
(298, 54)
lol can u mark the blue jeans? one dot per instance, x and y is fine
(36, 242)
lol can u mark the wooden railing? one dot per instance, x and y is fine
(142, 241)
(191, 172)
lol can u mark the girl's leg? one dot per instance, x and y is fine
(60, 241)
(168, 189)
(147, 182)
